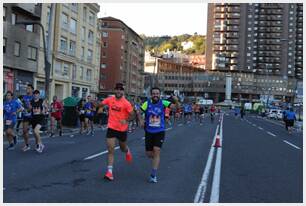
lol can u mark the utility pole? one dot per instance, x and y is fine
(49, 47)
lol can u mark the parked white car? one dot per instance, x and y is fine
(275, 114)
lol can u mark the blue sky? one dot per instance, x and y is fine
(157, 19)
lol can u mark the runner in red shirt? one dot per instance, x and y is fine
(120, 113)
(56, 115)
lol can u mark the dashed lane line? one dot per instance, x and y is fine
(291, 144)
(271, 134)
(99, 154)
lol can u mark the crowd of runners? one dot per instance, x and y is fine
(154, 114)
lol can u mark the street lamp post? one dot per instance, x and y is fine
(47, 63)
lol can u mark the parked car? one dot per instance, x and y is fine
(275, 114)
(279, 114)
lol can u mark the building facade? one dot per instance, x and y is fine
(193, 81)
(75, 50)
(122, 57)
(260, 38)
(20, 46)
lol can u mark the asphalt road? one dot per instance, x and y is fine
(255, 167)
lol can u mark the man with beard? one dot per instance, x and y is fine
(154, 110)
(120, 113)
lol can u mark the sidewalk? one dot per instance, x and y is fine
(45, 134)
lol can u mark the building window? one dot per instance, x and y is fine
(14, 18)
(91, 18)
(81, 73)
(88, 75)
(105, 34)
(4, 45)
(64, 20)
(74, 7)
(74, 72)
(83, 33)
(30, 28)
(103, 66)
(84, 14)
(4, 13)
(104, 54)
(89, 55)
(32, 53)
(104, 44)
(73, 26)
(64, 44)
(82, 52)
(90, 37)
(72, 48)
(17, 49)
(65, 70)
(58, 68)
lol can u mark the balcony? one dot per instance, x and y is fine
(232, 35)
(219, 48)
(232, 41)
(233, 22)
(232, 28)
(233, 16)
(220, 16)
(233, 9)
(219, 9)
(29, 8)
(232, 48)
(233, 61)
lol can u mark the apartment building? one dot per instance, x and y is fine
(261, 38)
(20, 46)
(75, 49)
(122, 57)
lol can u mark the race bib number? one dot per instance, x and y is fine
(8, 122)
(154, 121)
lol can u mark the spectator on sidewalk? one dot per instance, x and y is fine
(57, 109)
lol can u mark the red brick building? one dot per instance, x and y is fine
(122, 57)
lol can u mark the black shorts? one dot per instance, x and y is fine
(90, 118)
(37, 119)
(290, 122)
(82, 118)
(154, 140)
(27, 119)
(121, 136)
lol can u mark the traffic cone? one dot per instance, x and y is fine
(217, 142)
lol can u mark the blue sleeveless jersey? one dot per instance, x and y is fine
(155, 117)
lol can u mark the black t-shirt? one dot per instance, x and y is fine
(37, 107)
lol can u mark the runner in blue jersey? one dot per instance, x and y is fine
(154, 125)
(89, 115)
(27, 116)
(10, 109)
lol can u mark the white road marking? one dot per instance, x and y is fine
(99, 154)
(215, 190)
(271, 134)
(180, 124)
(143, 137)
(200, 195)
(291, 144)
(168, 128)
(260, 128)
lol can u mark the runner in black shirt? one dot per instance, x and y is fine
(37, 119)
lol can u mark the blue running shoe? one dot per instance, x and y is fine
(153, 179)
